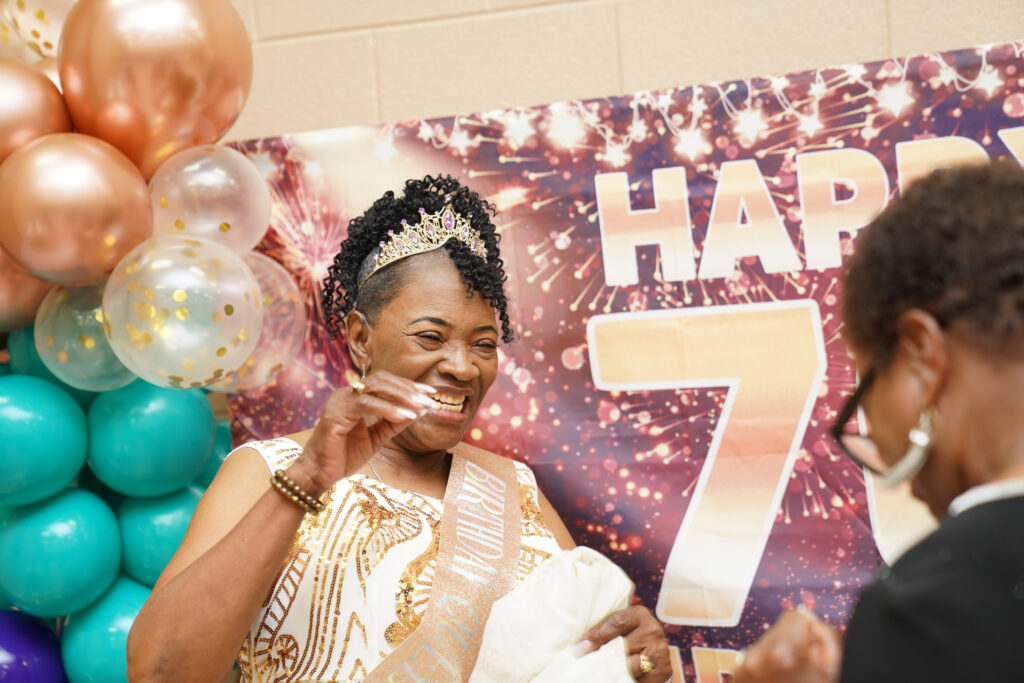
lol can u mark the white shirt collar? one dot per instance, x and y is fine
(986, 493)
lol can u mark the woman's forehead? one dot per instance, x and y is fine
(432, 287)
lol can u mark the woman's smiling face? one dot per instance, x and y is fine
(435, 333)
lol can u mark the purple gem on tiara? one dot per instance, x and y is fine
(449, 221)
(405, 222)
(399, 244)
(422, 210)
(430, 228)
(413, 237)
(381, 243)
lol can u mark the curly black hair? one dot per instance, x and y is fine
(953, 246)
(341, 288)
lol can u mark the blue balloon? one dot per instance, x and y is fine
(152, 529)
(145, 440)
(65, 553)
(221, 448)
(29, 650)
(44, 440)
(25, 360)
(96, 638)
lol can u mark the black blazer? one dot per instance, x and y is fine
(950, 609)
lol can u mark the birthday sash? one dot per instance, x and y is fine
(476, 564)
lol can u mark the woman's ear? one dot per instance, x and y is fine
(924, 345)
(359, 335)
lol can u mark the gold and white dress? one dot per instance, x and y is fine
(358, 577)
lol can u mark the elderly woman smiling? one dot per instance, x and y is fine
(373, 545)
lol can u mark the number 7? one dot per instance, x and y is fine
(771, 356)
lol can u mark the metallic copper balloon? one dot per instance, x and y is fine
(48, 65)
(153, 77)
(70, 207)
(30, 106)
(20, 295)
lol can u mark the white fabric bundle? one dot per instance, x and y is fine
(532, 631)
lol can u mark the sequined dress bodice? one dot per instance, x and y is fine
(358, 577)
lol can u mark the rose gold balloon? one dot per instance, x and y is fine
(30, 106)
(177, 71)
(70, 207)
(20, 295)
(48, 65)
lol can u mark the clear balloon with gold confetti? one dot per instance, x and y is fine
(10, 44)
(39, 22)
(213, 192)
(182, 312)
(69, 338)
(284, 327)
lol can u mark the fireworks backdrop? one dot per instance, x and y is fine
(624, 467)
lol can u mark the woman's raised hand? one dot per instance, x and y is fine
(353, 424)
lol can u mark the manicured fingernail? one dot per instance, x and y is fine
(424, 401)
(406, 413)
(425, 388)
(581, 648)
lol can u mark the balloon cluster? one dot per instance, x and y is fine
(125, 233)
(125, 253)
(97, 492)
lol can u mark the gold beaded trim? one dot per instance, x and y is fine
(293, 492)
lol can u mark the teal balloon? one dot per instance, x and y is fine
(25, 360)
(43, 442)
(145, 440)
(94, 640)
(152, 530)
(66, 552)
(221, 448)
(87, 480)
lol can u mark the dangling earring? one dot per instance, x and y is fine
(910, 464)
(359, 386)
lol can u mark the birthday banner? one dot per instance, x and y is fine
(674, 261)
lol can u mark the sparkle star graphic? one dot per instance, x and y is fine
(894, 97)
(750, 123)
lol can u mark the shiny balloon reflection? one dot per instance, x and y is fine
(284, 327)
(39, 23)
(71, 343)
(213, 192)
(71, 207)
(182, 312)
(30, 106)
(165, 75)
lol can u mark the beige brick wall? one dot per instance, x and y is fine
(330, 63)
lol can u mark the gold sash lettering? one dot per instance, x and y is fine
(476, 565)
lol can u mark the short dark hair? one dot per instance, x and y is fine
(341, 288)
(953, 246)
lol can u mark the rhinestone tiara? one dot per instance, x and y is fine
(431, 233)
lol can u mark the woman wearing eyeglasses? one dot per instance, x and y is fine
(933, 313)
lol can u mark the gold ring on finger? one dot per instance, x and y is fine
(357, 387)
(646, 664)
